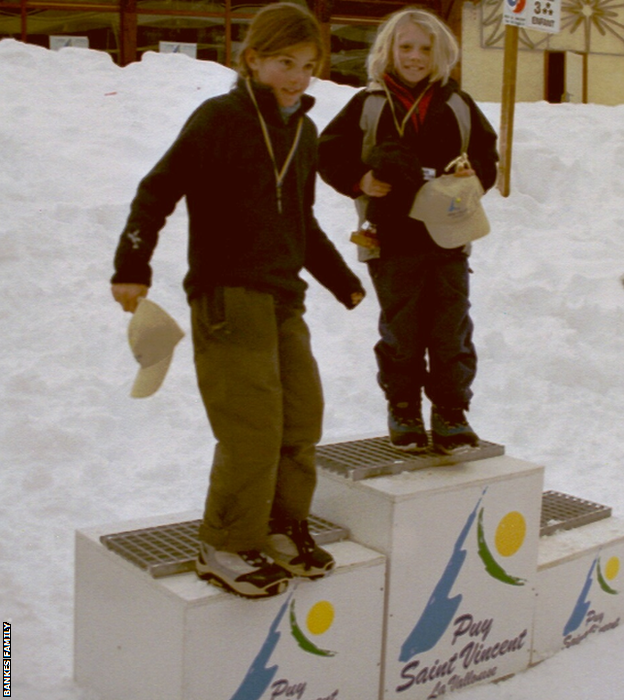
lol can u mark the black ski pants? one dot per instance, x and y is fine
(425, 327)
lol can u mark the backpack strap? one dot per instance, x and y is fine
(369, 120)
(462, 114)
(374, 104)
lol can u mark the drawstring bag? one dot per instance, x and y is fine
(450, 207)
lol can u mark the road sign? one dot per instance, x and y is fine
(539, 15)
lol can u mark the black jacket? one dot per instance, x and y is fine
(237, 236)
(436, 143)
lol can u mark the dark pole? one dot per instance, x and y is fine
(128, 22)
(505, 137)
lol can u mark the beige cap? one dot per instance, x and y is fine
(152, 335)
(451, 209)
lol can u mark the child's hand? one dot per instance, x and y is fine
(356, 298)
(463, 167)
(128, 295)
(373, 187)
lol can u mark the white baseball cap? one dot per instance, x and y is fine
(451, 209)
(152, 335)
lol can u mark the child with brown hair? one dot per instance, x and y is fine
(391, 137)
(246, 163)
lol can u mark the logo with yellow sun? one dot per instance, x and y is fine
(605, 576)
(611, 571)
(508, 540)
(442, 606)
(319, 619)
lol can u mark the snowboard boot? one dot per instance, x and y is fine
(406, 427)
(291, 546)
(249, 574)
(450, 429)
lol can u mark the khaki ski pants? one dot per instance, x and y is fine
(261, 389)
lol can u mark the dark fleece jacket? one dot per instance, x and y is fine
(435, 144)
(237, 236)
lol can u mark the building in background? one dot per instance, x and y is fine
(204, 29)
(584, 62)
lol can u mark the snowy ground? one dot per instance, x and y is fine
(76, 135)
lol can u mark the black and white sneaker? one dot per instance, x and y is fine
(291, 546)
(406, 427)
(249, 574)
(450, 430)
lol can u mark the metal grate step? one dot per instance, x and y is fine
(561, 511)
(362, 459)
(166, 550)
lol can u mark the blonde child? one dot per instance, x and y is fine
(388, 140)
(246, 163)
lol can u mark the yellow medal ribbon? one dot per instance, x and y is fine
(401, 127)
(279, 174)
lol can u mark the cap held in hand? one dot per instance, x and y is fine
(152, 335)
(450, 206)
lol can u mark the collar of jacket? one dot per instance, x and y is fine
(443, 91)
(268, 103)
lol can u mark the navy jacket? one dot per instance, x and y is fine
(434, 145)
(237, 236)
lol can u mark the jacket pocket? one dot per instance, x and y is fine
(208, 318)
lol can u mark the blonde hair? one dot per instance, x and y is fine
(445, 49)
(277, 27)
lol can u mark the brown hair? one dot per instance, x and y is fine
(277, 27)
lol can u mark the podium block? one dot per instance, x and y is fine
(461, 543)
(580, 586)
(179, 638)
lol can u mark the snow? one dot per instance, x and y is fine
(76, 135)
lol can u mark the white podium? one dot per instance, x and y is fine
(580, 586)
(444, 583)
(179, 638)
(461, 543)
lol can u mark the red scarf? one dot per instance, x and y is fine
(406, 98)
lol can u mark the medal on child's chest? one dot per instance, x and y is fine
(400, 126)
(279, 174)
